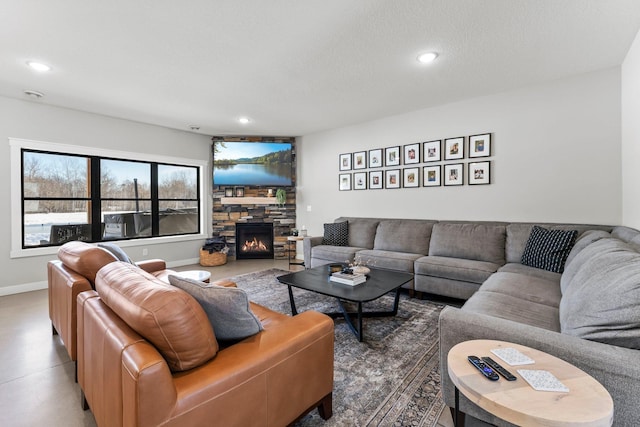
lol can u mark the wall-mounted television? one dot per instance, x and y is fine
(263, 164)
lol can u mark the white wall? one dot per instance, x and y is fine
(35, 121)
(631, 136)
(556, 158)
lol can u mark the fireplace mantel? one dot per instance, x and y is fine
(248, 201)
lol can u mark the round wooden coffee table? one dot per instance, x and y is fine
(586, 404)
(199, 275)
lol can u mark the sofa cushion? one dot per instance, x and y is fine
(527, 287)
(85, 259)
(465, 270)
(548, 249)
(227, 308)
(584, 240)
(336, 234)
(601, 303)
(626, 234)
(472, 241)
(406, 235)
(362, 231)
(513, 308)
(334, 253)
(388, 260)
(116, 251)
(525, 270)
(167, 317)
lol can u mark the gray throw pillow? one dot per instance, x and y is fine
(548, 249)
(601, 303)
(227, 308)
(336, 234)
(116, 251)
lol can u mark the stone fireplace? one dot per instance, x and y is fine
(254, 240)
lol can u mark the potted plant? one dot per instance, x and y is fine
(281, 196)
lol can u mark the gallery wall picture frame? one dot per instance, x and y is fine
(454, 174)
(360, 160)
(375, 158)
(480, 145)
(239, 191)
(411, 153)
(345, 162)
(392, 156)
(375, 180)
(431, 176)
(360, 181)
(454, 148)
(392, 178)
(479, 173)
(431, 151)
(345, 181)
(411, 177)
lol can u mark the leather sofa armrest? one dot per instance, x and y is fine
(224, 282)
(64, 285)
(307, 244)
(152, 265)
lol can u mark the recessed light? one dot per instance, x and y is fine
(244, 120)
(38, 66)
(33, 94)
(425, 58)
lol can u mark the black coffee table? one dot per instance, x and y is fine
(379, 282)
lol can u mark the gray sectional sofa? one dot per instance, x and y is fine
(588, 315)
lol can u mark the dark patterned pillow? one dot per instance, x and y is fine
(336, 234)
(548, 249)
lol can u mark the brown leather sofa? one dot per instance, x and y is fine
(157, 362)
(74, 272)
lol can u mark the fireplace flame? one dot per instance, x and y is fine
(254, 245)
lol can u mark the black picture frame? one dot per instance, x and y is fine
(411, 153)
(392, 156)
(345, 162)
(228, 192)
(453, 174)
(376, 180)
(359, 160)
(392, 178)
(360, 181)
(479, 145)
(344, 182)
(432, 151)
(411, 177)
(479, 173)
(431, 176)
(239, 191)
(454, 148)
(375, 158)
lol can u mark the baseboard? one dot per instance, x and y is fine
(181, 262)
(25, 287)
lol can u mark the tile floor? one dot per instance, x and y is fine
(37, 385)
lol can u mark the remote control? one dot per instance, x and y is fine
(482, 367)
(499, 369)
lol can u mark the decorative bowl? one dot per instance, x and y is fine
(361, 269)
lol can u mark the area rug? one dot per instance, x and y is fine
(390, 379)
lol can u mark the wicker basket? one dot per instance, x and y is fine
(212, 259)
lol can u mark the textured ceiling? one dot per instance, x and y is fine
(297, 66)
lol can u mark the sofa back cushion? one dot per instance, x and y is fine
(166, 316)
(404, 235)
(584, 240)
(85, 259)
(362, 231)
(475, 241)
(601, 301)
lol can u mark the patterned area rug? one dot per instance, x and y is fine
(390, 379)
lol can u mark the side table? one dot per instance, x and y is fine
(199, 275)
(294, 240)
(586, 404)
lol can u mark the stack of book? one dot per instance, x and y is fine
(348, 279)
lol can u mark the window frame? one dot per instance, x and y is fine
(17, 145)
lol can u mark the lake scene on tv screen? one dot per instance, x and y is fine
(252, 163)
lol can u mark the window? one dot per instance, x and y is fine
(74, 196)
